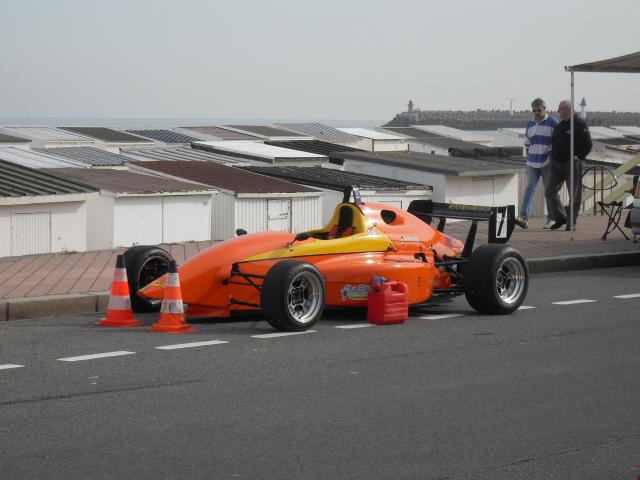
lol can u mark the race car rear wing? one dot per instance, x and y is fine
(501, 219)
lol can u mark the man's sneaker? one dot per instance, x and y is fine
(548, 225)
(522, 222)
(558, 224)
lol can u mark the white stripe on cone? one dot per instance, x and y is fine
(117, 302)
(173, 280)
(172, 306)
(120, 275)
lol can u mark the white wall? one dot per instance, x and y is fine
(186, 218)
(223, 217)
(251, 214)
(484, 190)
(330, 199)
(422, 148)
(390, 146)
(399, 200)
(306, 213)
(68, 226)
(100, 212)
(150, 220)
(436, 180)
(500, 190)
(137, 221)
(361, 143)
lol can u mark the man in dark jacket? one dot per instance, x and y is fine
(561, 164)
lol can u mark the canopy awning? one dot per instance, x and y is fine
(624, 64)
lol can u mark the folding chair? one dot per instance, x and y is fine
(613, 210)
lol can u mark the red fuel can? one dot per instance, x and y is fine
(387, 303)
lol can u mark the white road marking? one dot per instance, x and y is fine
(355, 325)
(95, 355)
(189, 345)
(438, 317)
(630, 295)
(7, 366)
(525, 307)
(281, 334)
(573, 302)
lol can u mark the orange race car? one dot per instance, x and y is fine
(292, 277)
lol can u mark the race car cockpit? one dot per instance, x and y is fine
(347, 220)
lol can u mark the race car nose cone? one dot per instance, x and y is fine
(154, 290)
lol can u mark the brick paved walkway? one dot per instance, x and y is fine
(54, 274)
(60, 273)
(538, 243)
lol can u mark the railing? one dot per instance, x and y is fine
(598, 186)
(622, 189)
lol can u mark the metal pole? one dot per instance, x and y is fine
(571, 205)
(595, 204)
(601, 190)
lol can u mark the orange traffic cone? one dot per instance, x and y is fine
(119, 313)
(172, 318)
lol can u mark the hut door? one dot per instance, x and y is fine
(30, 233)
(278, 215)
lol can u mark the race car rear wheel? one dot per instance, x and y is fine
(496, 279)
(144, 264)
(293, 295)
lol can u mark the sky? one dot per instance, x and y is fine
(294, 59)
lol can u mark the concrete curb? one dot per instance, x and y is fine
(53, 305)
(78, 304)
(583, 262)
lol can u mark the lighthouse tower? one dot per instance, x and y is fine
(583, 108)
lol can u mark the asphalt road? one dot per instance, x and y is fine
(551, 392)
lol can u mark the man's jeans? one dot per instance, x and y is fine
(533, 175)
(559, 174)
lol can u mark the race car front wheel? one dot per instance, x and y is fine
(496, 279)
(293, 295)
(145, 263)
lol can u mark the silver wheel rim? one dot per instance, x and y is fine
(510, 281)
(304, 297)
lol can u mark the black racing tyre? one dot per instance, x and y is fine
(293, 295)
(496, 279)
(144, 264)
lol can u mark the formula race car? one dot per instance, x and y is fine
(292, 277)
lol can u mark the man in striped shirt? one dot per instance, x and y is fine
(538, 139)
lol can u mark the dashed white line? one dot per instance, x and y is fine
(355, 325)
(438, 317)
(95, 355)
(281, 334)
(573, 302)
(629, 295)
(525, 307)
(7, 366)
(190, 345)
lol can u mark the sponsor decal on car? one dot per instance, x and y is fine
(354, 292)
